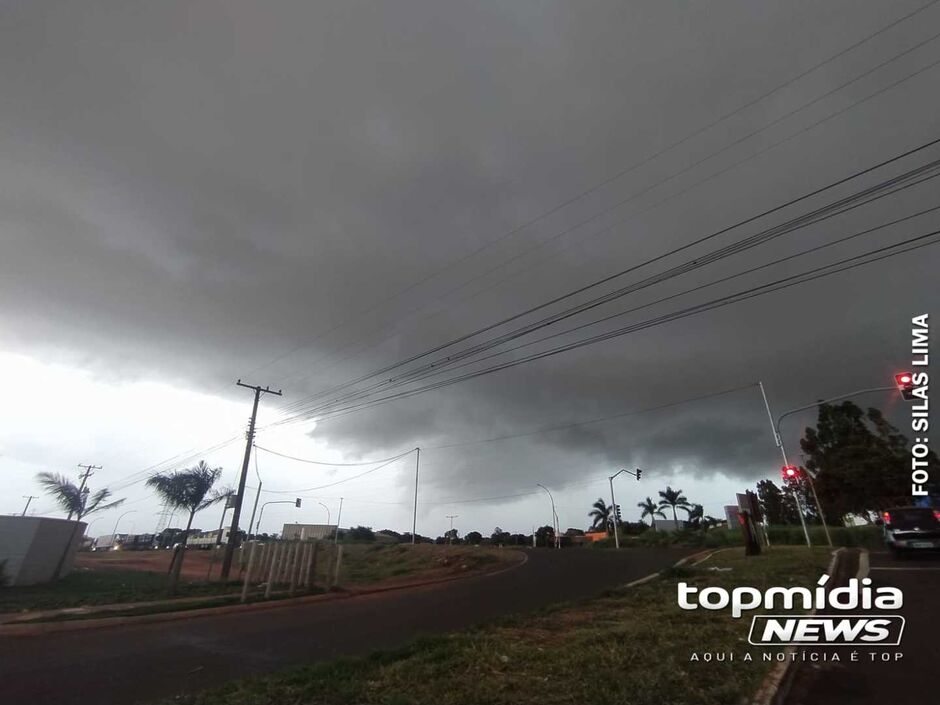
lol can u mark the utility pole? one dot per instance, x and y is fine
(414, 518)
(338, 517)
(450, 533)
(28, 498)
(236, 514)
(257, 496)
(81, 490)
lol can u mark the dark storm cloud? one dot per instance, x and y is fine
(213, 190)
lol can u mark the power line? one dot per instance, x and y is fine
(320, 462)
(340, 482)
(699, 162)
(834, 208)
(752, 292)
(608, 180)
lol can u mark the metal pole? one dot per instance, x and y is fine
(114, 531)
(338, 517)
(822, 517)
(255, 507)
(327, 512)
(613, 509)
(554, 513)
(414, 519)
(28, 499)
(451, 532)
(783, 452)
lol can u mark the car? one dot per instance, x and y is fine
(908, 529)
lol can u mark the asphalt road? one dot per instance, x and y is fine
(140, 663)
(911, 680)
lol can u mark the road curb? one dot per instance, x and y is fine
(777, 683)
(42, 628)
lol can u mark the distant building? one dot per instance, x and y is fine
(667, 525)
(307, 531)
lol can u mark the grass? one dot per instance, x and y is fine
(789, 535)
(631, 646)
(363, 564)
(85, 587)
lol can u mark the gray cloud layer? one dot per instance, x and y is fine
(203, 190)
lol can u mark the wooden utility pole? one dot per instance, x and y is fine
(233, 531)
(81, 490)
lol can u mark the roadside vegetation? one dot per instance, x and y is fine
(102, 581)
(565, 654)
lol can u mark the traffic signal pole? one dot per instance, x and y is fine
(783, 452)
(613, 501)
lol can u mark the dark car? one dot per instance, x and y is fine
(909, 529)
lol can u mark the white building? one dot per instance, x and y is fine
(307, 531)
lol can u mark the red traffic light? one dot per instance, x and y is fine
(905, 383)
(790, 472)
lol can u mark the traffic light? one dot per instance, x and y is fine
(617, 512)
(790, 473)
(297, 502)
(638, 473)
(905, 382)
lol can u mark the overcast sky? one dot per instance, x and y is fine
(296, 193)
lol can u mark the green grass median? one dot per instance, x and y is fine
(630, 646)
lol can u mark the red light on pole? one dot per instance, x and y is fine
(790, 472)
(905, 384)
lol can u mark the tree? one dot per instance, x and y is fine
(72, 499)
(673, 498)
(775, 504)
(602, 515)
(474, 537)
(361, 533)
(696, 513)
(859, 462)
(501, 537)
(545, 536)
(650, 509)
(68, 496)
(189, 490)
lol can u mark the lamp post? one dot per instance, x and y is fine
(114, 531)
(554, 515)
(327, 512)
(261, 513)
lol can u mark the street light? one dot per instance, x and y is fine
(327, 512)
(295, 502)
(114, 532)
(554, 515)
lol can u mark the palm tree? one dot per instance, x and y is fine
(650, 509)
(74, 500)
(190, 490)
(673, 498)
(696, 513)
(602, 515)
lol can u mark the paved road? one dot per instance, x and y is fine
(909, 681)
(138, 663)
